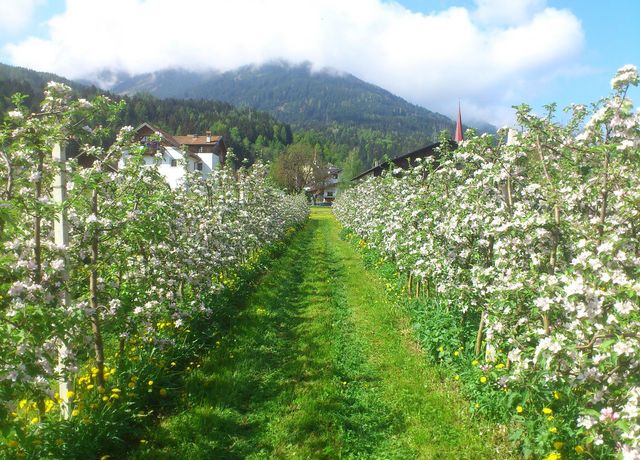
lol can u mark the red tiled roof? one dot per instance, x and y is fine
(197, 140)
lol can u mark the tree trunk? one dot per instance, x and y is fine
(555, 232)
(93, 297)
(604, 197)
(478, 347)
(37, 222)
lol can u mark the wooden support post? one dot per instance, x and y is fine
(61, 238)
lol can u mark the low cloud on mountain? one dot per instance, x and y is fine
(489, 56)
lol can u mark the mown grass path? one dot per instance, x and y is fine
(318, 364)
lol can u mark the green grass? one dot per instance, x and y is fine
(319, 363)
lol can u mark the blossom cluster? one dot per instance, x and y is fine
(535, 233)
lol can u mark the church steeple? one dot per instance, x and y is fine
(459, 137)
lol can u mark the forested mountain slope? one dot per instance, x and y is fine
(250, 132)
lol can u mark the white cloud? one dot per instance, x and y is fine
(489, 56)
(14, 15)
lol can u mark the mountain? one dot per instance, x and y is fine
(296, 94)
(30, 83)
(331, 109)
(251, 133)
(342, 119)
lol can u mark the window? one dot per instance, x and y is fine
(201, 150)
(174, 163)
(329, 193)
(199, 166)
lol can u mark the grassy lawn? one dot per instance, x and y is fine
(318, 364)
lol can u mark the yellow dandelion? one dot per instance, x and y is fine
(23, 403)
(474, 362)
(90, 387)
(48, 405)
(547, 411)
(105, 398)
(456, 353)
(551, 418)
(519, 409)
(35, 420)
(163, 392)
(150, 382)
(553, 456)
(556, 395)
(457, 377)
(553, 429)
(579, 449)
(75, 412)
(500, 366)
(558, 445)
(483, 379)
(131, 385)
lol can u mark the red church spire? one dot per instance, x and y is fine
(459, 137)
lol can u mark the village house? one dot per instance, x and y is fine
(179, 154)
(325, 190)
(408, 160)
(403, 161)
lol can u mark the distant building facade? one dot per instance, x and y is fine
(175, 155)
(326, 188)
(408, 160)
(403, 161)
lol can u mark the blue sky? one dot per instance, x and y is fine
(490, 54)
(612, 39)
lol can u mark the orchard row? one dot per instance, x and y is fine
(531, 239)
(100, 262)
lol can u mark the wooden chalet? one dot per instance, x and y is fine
(176, 155)
(404, 161)
(408, 160)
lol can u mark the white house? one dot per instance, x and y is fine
(203, 153)
(326, 188)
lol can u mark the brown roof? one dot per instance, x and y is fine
(406, 160)
(167, 137)
(196, 140)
